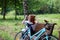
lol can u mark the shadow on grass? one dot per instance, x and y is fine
(11, 19)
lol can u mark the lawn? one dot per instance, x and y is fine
(9, 27)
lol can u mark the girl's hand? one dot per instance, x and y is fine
(26, 17)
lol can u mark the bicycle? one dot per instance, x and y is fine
(35, 36)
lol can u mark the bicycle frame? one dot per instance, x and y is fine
(38, 34)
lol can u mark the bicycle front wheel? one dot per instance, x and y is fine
(50, 38)
(18, 36)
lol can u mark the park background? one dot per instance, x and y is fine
(12, 13)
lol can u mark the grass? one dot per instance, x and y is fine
(9, 27)
(5, 35)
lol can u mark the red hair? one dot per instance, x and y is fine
(32, 18)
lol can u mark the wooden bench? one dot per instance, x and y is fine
(39, 26)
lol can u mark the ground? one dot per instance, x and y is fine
(9, 27)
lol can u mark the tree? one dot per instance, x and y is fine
(15, 3)
(4, 8)
(25, 7)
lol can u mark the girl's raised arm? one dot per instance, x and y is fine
(25, 19)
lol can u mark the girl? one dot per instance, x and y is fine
(30, 20)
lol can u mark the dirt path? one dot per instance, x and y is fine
(1, 39)
(8, 29)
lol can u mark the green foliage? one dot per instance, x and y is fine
(34, 6)
(43, 6)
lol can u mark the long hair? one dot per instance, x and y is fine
(32, 18)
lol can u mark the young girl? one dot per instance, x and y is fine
(30, 20)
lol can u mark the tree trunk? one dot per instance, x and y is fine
(15, 1)
(4, 9)
(25, 7)
(59, 35)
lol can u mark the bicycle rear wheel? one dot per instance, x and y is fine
(51, 38)
(18, 36)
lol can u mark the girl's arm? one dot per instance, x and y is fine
(25, 19)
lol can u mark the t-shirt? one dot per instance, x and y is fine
(33, 26)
